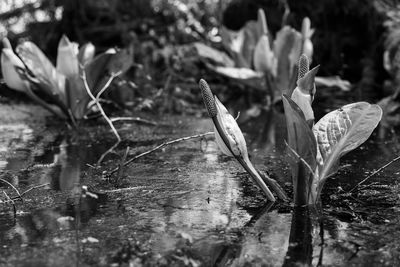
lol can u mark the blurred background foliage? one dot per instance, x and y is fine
(350, 39)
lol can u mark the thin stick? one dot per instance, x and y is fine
(135, 119)
(96, 100)
(161, 146)
(13, 187)
(34, 187)
(113, 75)
(12, 202)
(375, 172)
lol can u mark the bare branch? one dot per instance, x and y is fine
(96, 99)
(375, 172)
(161, 146)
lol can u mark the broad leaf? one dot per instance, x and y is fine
(343, 130)
(302, 141)
(213, 55)
(243, 75)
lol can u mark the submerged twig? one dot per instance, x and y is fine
(161, 146)
(34, 187)
(375, 172)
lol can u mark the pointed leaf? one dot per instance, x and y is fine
(343, 130)
(51, 82)
(67, 57)
(9, 63)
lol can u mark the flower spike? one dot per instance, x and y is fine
(229, 137)
(303, 66)
(208, 98)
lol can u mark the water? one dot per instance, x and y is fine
(185, 205)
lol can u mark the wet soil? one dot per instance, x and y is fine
(186, 204)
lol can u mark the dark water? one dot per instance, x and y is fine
(185, 205)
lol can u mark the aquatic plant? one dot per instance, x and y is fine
(63, 89)
(231, 141)
(316, 149)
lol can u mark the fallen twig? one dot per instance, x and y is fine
(375, 172)
(134, 119)
(34, 187)
(161, 146)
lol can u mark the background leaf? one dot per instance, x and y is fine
(287, 50)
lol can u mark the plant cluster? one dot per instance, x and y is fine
(63, 89)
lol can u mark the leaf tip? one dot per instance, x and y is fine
(6, 43)
(262, 20)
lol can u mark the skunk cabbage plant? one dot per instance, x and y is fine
(231, 141)
(61, 88)
(315, 149)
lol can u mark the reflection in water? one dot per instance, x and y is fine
(35, 226)
(300, 239)
(61, 158)
(14, 138)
